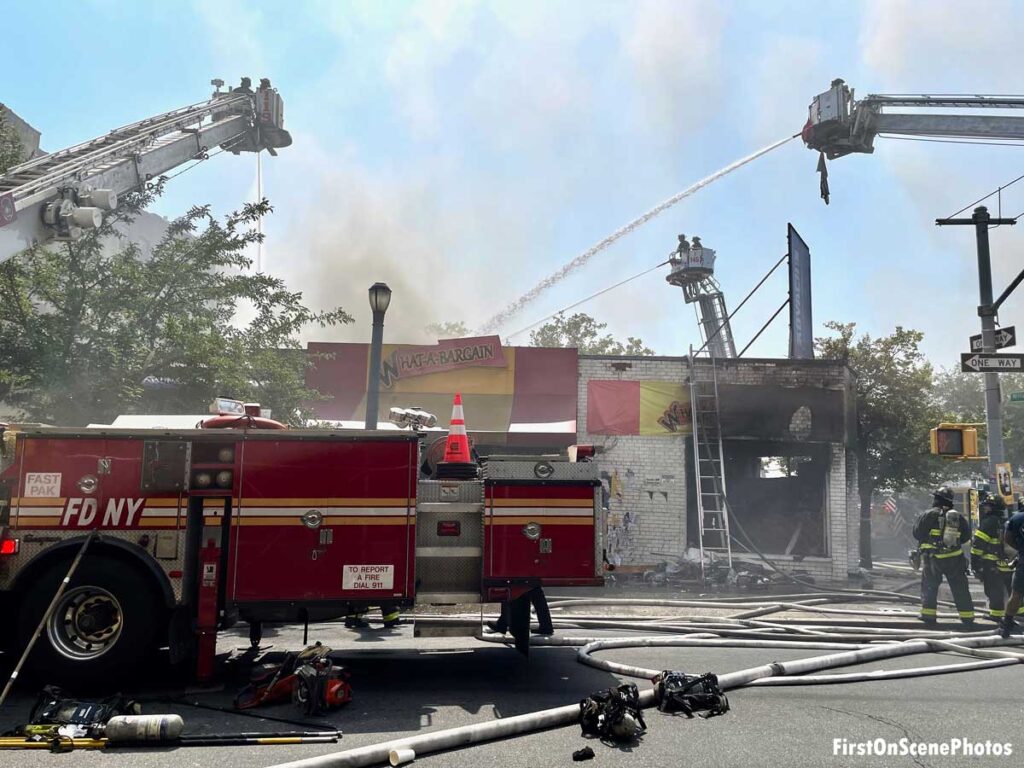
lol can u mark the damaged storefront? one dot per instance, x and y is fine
(790, 476)
(786, 426)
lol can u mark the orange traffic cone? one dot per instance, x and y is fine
(456, 450)
(458, 463)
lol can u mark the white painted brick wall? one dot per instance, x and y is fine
(652, 470)
(853, 515)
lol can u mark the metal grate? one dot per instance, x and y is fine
(448, 574)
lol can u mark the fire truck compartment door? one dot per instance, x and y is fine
(323, 520)
(449, 541)
(84, 483)
(545, 532)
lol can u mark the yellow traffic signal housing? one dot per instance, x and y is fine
(955, 441)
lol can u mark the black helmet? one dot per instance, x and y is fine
(943, 497)
(992, 505)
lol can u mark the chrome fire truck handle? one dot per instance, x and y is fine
(46, 615)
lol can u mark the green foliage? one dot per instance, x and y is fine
(584, 332)
(960, 397)
(10, 145)
(84, 325)
(895, 408)
(452, 329)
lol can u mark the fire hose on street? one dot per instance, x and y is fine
(847, 646)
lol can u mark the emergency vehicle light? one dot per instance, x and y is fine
(9, 547)
(227, 405)
(448, 528)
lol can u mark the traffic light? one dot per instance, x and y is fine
(955, 441)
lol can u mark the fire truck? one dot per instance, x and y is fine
(191, 530)
(194, 529)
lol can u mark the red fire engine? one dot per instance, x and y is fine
(197, 528)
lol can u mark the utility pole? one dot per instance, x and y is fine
(981, 221)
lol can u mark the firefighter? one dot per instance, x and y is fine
(356, 617)
(941, 532)
(988, 558)
(1013, 537)
(678, 256)
(540, 605)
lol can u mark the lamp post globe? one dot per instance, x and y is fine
(380, 297)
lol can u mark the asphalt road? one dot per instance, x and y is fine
(405, 686)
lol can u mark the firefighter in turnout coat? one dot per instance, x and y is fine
(989, 559)
(941, 533)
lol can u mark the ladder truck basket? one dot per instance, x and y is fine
(692, 266)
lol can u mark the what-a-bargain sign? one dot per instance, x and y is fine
(360, 578)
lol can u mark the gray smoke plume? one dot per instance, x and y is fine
(363, 227)
(516, 306)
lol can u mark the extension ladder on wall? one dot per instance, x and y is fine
(708, 463)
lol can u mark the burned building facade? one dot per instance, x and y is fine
(787, 427)
(790, 476)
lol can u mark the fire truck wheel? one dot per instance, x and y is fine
(103, 624)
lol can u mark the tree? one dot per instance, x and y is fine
(90, 331)
(895, 410)
(10, 144)
(452, 329)
(584, 332)
(960, 397)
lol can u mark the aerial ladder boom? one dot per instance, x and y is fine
(840, 125)
(59, 196)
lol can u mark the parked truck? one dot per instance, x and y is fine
(198, 528)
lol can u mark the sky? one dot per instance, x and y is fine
(462, 151)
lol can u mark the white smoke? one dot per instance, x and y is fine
(926, 46)
(360, 227)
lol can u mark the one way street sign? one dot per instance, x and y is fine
(1005, 337)
(991, 363)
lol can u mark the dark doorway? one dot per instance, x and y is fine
(777, 494)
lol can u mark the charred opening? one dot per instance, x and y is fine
(778, 495)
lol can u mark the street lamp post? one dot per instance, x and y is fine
(380, 298)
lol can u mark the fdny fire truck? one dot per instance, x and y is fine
(193, 529)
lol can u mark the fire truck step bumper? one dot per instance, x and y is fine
(447, 598)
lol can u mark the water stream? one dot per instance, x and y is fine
(516, 306)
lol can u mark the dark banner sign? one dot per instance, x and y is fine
(801, 327)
